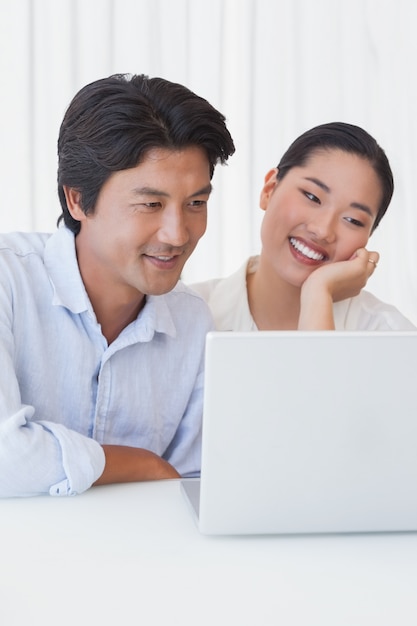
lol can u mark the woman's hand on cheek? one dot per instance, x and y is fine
(343, 279)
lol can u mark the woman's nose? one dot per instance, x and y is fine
(322, 226)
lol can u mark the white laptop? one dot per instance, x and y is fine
(308, 432)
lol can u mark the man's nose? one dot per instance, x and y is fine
(173, 229)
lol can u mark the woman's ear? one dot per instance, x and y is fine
(73, 198)
(270, 182)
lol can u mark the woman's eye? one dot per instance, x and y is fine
(311, 197)
(355, 222)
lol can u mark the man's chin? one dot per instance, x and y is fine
(160, 290)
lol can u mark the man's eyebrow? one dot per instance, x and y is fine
(148, 191)
(204, 191)
(355, 205)
(152, 191)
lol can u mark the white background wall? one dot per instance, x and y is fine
(273, 67)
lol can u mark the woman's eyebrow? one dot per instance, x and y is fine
(362, 207)
(319, 183)
(355, 205)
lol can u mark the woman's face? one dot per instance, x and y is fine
(319, 213)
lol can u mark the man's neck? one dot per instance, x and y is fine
(115, 305)
(114, 317)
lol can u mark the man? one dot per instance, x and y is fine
(101, 350)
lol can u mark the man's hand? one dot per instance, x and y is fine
(125, 464)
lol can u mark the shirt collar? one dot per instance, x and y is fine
(69, 291)
(62, 266)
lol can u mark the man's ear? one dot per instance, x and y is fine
(73, 198)
(270, 182)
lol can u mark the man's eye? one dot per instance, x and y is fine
(196, 204)
(147, 206)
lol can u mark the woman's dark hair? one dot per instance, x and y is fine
(348, 138)
(112, 123)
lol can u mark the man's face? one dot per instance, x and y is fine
(146, 223)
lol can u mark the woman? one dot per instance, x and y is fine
(322, 203)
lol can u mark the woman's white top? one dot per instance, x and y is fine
(228, 301)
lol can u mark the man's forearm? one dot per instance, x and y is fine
(127, 464)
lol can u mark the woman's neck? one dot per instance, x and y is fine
(274, 303)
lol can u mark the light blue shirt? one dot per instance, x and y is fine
(64, 390)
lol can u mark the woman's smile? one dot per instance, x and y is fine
(304, 252)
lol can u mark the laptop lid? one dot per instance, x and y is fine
(307, 432)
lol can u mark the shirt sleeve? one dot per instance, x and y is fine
(366, 312)
(34, 457)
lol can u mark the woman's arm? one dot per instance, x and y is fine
(332, 283)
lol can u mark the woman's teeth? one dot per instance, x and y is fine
(305, 250)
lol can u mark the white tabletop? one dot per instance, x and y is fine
(132, 554)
